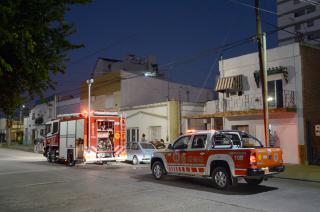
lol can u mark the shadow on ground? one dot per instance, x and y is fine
(205, 185)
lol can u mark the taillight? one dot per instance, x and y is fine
(253, 159)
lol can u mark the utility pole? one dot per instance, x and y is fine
(263, 70)
(89, 82)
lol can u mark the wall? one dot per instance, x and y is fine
(142, 90)
(310, 87)
(68, 106)
(284, 129)
(146, 116)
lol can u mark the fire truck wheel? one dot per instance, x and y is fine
(253, 181)
(157, 170)
(49, 158)
(221, 178)
(135, 160)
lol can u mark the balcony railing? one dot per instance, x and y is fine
(286, 99)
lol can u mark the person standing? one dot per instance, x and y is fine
(143, 139)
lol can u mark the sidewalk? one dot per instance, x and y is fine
(301, 172)
(28, 148)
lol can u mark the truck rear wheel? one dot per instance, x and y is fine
(221, 178)
(253, 181)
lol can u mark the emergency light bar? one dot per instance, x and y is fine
(97, 113)
(69, 114)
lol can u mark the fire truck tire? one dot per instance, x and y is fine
(253, 182)
(221, 178)
(49, 158)
(135, 160)
(158, 170)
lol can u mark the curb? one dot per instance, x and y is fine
(298, 179)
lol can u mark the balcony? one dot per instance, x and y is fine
(286, 99)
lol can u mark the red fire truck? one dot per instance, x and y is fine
(67, 138)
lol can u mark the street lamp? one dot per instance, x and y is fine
(89, 82)
(21, 110)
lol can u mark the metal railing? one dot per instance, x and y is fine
(254, 101)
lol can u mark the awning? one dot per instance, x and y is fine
(231, 84)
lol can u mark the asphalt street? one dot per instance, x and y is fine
(29, 183)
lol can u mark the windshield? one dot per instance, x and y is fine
(249, 141)
(146, 146)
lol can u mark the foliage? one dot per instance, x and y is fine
(33, 46)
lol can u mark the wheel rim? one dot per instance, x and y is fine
(135, 160)
(157, 171)
(221, 179)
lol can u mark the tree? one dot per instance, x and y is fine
(33, 46)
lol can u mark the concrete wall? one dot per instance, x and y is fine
(68, 106)
(142, 90)
(283, 129)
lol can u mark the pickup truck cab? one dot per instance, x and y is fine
(222, 156)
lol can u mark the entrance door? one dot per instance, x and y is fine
(313, 142)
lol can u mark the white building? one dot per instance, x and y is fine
(160, 120)
(293, 82)
(44, 111)
(130, 63)
(301, 18)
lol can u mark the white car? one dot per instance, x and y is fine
(140, 152)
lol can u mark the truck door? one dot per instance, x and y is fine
(176, 158)
(197, 156)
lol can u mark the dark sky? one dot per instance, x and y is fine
(171, 30)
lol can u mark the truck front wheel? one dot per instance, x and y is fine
(157, 170)
(221, 178)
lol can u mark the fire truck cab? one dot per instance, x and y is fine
(67, 138)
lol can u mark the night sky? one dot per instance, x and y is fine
(171, 30)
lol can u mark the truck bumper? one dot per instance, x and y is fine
(265, 171)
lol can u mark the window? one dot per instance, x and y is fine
(275, 94)
(299, 13)
(135, 146)
(181, 143)
(310, 9)
(296, 1)
(199, 142)
(55, 127)
(146, 146)
(33, 116)
(132, 134)
(234, 137)
(310, 23)
(297, 27)
(48, 128)
(250, 141)
(220, 140)
(42, 132)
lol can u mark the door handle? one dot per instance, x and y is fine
(202, 153)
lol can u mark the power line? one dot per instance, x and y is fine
(249, 5)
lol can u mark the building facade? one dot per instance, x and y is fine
(293, 81)
(300, 19)
(44, 111)
(160, 120)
